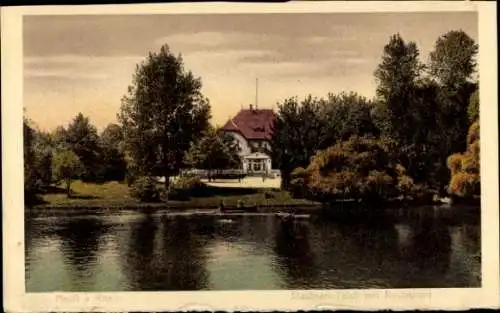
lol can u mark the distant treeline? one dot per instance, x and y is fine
(419, 135)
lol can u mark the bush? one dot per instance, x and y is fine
(465, 179)
(188, 183)
(184, 188)
(145, 189)
(359, 168)
(298, 183)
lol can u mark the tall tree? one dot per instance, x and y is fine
(296, 134)
(397, 77)
(82, 138)
(453, 61)
(162, 113)
(405, 102)
(30, 177)
(453, 67)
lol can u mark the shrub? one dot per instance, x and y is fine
(185, 187)
(465, 184)
(405, 185)
(298, 183)
(465, 179)
(145, 189)
(359, 168)
(188, 183)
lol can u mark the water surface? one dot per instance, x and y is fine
(132, 251)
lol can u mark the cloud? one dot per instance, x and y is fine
(77, 66)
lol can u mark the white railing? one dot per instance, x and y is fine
(204, 173)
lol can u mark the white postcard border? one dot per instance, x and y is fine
(15, 298)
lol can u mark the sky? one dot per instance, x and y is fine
(84, 63)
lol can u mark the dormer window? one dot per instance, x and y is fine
(259, 129)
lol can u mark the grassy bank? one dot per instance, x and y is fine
(115, 194)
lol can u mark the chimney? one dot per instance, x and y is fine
(251, 107)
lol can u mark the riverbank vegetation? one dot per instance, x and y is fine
(395, 145)
(408, 142)
(118, 194)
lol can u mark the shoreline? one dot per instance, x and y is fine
(266, 207)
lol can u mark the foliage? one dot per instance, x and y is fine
(215, 150)
(406, 100)
(473, 108)
(303, 128)
(453, 60)
(359, 168)
(465, 167)
(66, 166)
(31, 185)
(184, 187)
(298, 183)
(145, 189)
(83, 139)
(162, 113)
(112, 157)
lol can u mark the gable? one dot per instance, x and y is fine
(253, 124)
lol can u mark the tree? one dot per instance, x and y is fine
(42, 148)
(296, 133)
(473, 108)
(66, 166)
(162, 113)
(303, 128)
(452, 67)
(465, 179)
(397, 77)
(113, 164)
(82, 138)
(30, 177)
(359, 168)
(345, 115)
(215, 150)
(453, 61)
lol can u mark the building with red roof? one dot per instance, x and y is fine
(252, 130)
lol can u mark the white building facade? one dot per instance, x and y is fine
(251, 129)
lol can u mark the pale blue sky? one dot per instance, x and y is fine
(85, 63)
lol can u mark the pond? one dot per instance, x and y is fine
(133, 251)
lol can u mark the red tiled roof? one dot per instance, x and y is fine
(253, 124)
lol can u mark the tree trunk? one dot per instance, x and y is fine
(167, 182)
(68, 187)
(285, 179)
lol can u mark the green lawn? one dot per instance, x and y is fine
(117, 194)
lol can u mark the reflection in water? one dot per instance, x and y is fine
(294, 253)
(165, 255)
(141, 252)
(80, 240)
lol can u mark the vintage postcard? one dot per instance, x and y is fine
(250, 157)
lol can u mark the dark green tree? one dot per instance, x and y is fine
(162, 113)
(453, 67)
(81, 137)
(113, 165)
(30, 177)
(214, 151)
(345, 115)
(397, 76)
(453, 61)
(296, 133)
